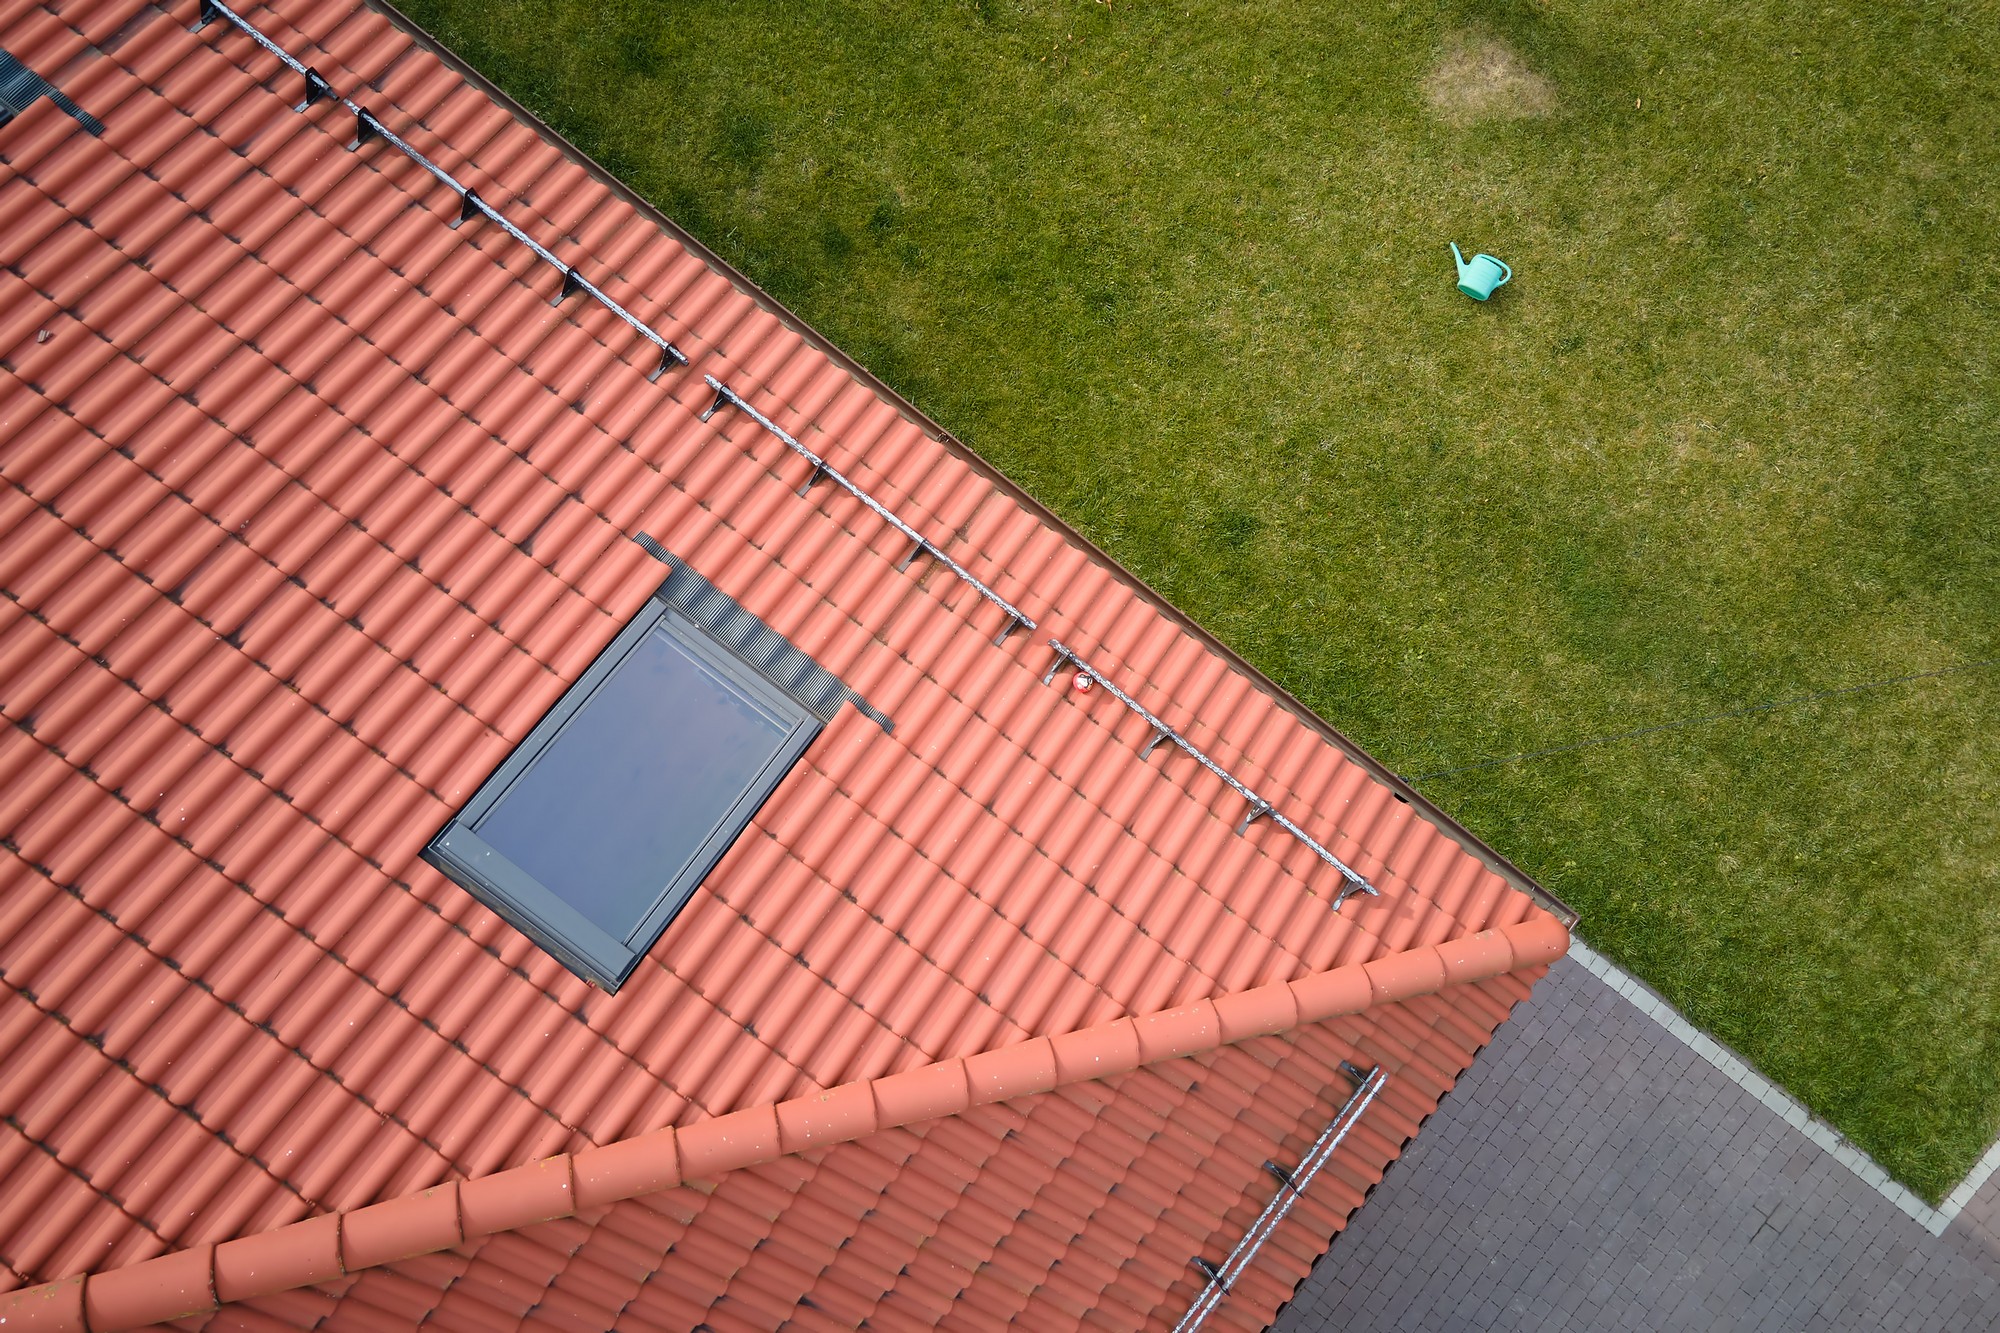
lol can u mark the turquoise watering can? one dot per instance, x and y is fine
(1479, 275)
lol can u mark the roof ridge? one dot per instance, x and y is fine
(320, 1249)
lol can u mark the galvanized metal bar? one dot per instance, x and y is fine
(1292, 1185)
(368, 126)
(1259, 807)
(920, 544)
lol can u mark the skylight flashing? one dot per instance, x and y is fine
(770, 653)
(593, 834)
(20, 86)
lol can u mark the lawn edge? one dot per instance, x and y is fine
(1934, 1218)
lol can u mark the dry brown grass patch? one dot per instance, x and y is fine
(1479, 77)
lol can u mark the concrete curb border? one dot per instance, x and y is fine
(1733, 1067)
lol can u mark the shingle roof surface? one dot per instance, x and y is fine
(314, 505)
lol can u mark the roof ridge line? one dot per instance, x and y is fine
(332, 1245)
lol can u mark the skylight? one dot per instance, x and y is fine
(595, 831)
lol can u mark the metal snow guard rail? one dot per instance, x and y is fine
(1291, 1184)
(471, 205)
(1259, 807)
(1016, 618)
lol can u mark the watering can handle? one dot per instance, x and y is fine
(1508, 272)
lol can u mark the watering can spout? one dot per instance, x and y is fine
(1459, 259)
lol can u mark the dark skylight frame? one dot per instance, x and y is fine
(606, 869)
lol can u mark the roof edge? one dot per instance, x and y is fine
(203, 1278)
(1457, 832)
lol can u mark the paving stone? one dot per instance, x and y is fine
(1590, 1172)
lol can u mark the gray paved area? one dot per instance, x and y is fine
(1591, 1172)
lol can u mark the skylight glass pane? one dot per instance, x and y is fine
(621, 800)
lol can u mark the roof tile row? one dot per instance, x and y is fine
(316, 504)
(1067, 1188)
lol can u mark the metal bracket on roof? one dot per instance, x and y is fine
(1015, 620)
(1259, 807)
(572, 283)
(773, 656)
(726, 395)
(366, 127)
(1291, 1188)
(921, 548)
(813, 478)
(723, 398)
(317, 89)
(1354, 884)
(470, 206)
(1355, 1074)
(1152, 744)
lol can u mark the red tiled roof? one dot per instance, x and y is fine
(315, 505)
(332, 1247)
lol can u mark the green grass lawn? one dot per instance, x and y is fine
(1729, 436)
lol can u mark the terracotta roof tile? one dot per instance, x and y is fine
(316, 505)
